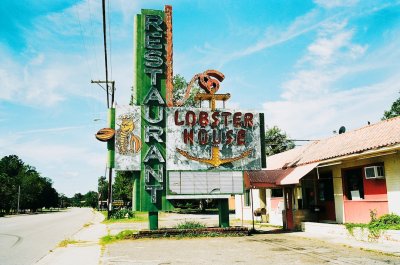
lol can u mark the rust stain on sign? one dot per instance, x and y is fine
(169, 56)
(209, 81)
(215, 159)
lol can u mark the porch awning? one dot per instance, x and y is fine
(296, 174)
(264, 178)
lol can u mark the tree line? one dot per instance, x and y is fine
(17, 177)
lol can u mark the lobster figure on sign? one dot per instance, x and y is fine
(126, 141)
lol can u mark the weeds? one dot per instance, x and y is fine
(189, 225)
(207, 234)
(67, 242)
(377, 225)
(88, 224)
(123, 235)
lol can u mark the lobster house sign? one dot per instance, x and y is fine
(206, 139)
(172, 150)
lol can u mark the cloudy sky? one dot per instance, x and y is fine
(310, 66)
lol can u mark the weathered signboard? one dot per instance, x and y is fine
(204, 139)
(128, 142)
(204, 184)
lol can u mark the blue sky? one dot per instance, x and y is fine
(310, 66)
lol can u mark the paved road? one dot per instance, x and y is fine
(25, 239)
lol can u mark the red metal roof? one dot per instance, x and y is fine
(372, 137)
(265, 178)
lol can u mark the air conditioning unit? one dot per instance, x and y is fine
(374, 172)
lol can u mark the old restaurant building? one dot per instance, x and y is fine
(345, 178)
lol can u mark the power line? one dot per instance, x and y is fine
(92, 38)
(296, 140)
(109, 38)
(105, 50)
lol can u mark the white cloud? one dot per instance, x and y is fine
(319, 115)
(338, 47)
(272, 37)
(65, 53)
(336, 3)
(314, 103)
(304, 84)
(71, 165)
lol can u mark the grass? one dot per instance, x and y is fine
(88, 224)
(350, 227)
(123, 235)
(67, 242)
(209, 234)
(138, 217)
(189, 225)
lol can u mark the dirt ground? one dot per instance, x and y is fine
(276, 249)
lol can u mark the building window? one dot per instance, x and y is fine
(353, 184)
(247, 201)
(276, 193)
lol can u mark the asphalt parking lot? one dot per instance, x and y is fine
(267, 248)
(257, 249)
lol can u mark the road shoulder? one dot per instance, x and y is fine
(84, 248)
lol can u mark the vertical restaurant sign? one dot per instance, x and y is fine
(128, 142)
(150, 88)
(203, 139)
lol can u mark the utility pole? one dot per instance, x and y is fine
(110, 143)
(19, 194)
(111, 112)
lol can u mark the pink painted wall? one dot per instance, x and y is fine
(275, 201)
(375, 198)
(359, 211)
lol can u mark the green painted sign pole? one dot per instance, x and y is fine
(150, 92)
(111, 156)
(223, 209)
(153, 220)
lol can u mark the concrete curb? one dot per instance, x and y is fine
(387, 243)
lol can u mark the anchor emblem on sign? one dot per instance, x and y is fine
(209, 81)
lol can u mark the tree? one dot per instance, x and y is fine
(122, 187)
(277, 141)
(102, 188)
(7, 194)
(64, 201)
(11, 173)
(49, 195)
(36, 191)
(91, 199)
(393, 112)
(180, 86)
(77, 200)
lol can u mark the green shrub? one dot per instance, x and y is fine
(376, 225)
(189, 225)
(122, 214)
(385, 222)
